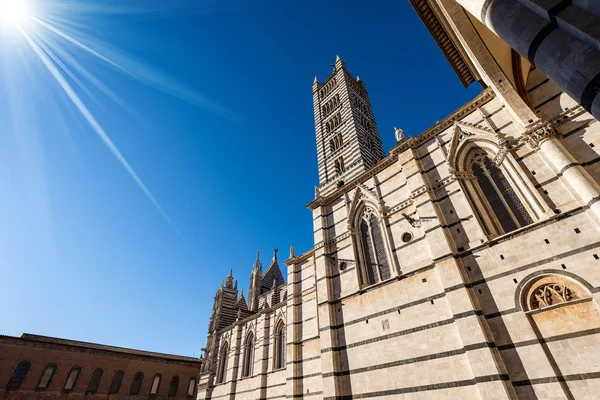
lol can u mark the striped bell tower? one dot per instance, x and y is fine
(348, 141)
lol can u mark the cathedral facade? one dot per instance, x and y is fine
(463, 264)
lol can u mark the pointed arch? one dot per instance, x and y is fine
(46, 377)
(222, 360)
(370, 237)
(248, 361)
(279, 344)
(496, 187)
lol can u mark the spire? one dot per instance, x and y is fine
(337, 58)
(275, 250)
(316, 80)
(229, 280)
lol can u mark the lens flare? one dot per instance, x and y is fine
(14, 12)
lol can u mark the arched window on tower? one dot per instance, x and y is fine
(372, 250)
(18, 376)
(248, 363)
(339, 166)
(136, 385)
(494, 196)
(223, 356)
(279, 354)
(46, 376)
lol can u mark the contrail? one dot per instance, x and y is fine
(94, 124)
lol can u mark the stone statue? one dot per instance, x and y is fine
(399, 134)
(292, 250)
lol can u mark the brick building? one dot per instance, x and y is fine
(34, 367)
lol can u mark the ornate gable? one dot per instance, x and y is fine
(464, 133)
(362, 194)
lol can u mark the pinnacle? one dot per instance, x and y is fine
(316, 80)
(337, 58)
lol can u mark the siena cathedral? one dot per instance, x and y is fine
(464, 263)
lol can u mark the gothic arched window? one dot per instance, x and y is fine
(115, 385)
(136, 385)
(173, 386)
(222, 370)
(494, 196)
(248, 355)
(339, 165)
(17, 378)
(72, 378)
(279, 354)
(373, 256)
(95, 380)
(46, 376)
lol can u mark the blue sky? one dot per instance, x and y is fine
(210, 104)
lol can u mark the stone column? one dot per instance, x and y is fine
(581, 184)
(537, 34)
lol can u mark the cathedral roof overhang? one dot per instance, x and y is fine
(444, 41)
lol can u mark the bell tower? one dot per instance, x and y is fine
(348, 141)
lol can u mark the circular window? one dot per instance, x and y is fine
(407, 237)
(343, 266)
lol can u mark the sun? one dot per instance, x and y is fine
(14, 12)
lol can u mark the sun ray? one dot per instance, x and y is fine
(93, 123)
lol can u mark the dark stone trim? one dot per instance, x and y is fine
(461, 220)
(536, 263)
(553, 379)
(575, 130)
(295, 378)
(566, 167)
(537, 41)
(542, 83)
(385, 283)
(548, 100)
(391, 335)
(435, 386)
(549, 339)
(590, 92)
(299, 396)
(384, 312)
(304, 360)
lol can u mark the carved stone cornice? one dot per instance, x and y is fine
(538, 133)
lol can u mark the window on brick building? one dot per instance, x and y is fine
(223, 356)
(17, 378)
(72, 378)
(191, 387)
(95, 380)
(173, 386)
(136, 385)
(279, 346)
(155, 384)
(115, 385)
(46, 376)
(248, 363)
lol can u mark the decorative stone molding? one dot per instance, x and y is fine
(538, 133)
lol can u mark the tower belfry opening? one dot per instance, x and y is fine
(348, 141)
